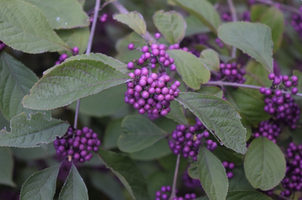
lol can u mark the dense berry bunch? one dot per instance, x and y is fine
(229, 166)
(190, 182)
(150, 93)
(279, 104)
(165, 192)
(77, 144)
(293, 176)
(269, 129)
(297, 22)
(184, 140)
(231, 72)
(64, 56)
(2, 45)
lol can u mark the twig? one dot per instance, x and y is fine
(173, 193)
(282, 6)
(234, 19)
(88, 50)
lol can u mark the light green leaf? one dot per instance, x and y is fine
(81, 2)
(212, 90)
(190, 68)
(203, 10)
(138, 134)
(128, 173)
(15, 82)
(171, 24)
(218, 116)
(41, 185)
(6, 166)
(24, 27)
(210, 58)
(134, 20)
(264, 164)
(252, 38)
(71, 81)
(77, 37)
(247, 195)
(257, 75)
(62, 14)
(74, 187)
(194, 26)
(28, 133)
(177, 113)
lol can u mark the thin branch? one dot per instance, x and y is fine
(148, 37)
(282, 6)
(220, 83)
(234, 19)
(88, 50)
(173, 193)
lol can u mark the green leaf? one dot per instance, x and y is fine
(257, 75)
(190, 68)
(195, 26)
(252, 38)
(157, 180)
(28, 133)
(257, 11)
(6, 166)
(203, 10)
(247, 195)
(210, 58)
(15, 82)
(24, 27)
(212, 90)
(299, 75)
(177, 113)
(229, 155)
(218, 116)
(43, 152)
(157, 150)
(128, 173)
(112, 133)
(77, 37)
(108, 184)
(239, 181)
(138, 134)
(134, 20)
(249, 103)
(193, 170)
(62, 14)
(41, 185)
(81, 2)
(264, 164)
(212, 175)
(71, 81)
(74, 187)
(171, 24)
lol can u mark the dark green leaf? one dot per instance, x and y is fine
(252, 38)
(74, 187)
(138, 134)
(177, 113)
(41, 185)
(71, 81)
(210, 58)
(6, 166)
(218, 116)
(171, 24)
(264, 164)
(247, 195)
(257, 11)
(157, 180)
(24, 27)
(225, 154)
(239, 181)
(128, 173)
(31, 132)
(190, 68)
(112, 133)
(43, 152)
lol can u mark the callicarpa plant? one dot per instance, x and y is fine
(150, 100)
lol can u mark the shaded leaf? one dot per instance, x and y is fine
(6, 166)
(112, 133)
(157, 180)
(229, 155)
(257, 75)
(212, 90)
(195, 26)
(247, 195)
(177, 113)
(239, 181)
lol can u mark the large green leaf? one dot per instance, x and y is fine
(74, 187)
(138, 134)
(28, 133)
(218, 116)
(171, 24)
(41, 185)
(6, 166)
(195, 26)
(71, 81)
(252, 38)
(210, 58)
(264, 164)
(128, 173)
(212, 175)
(190, 68)
(15, 82)
(239, 181)
(203, 10)
(177, 113)
(112, 133)
(257, 75)
(25, 28)
(247, 195)
(212, 90)
(62, 14)
(43, 152)
(134, 20)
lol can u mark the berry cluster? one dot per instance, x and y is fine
(165, 192)
(293, 176)
(279, 104)
(229, 166)
(103, 18)
(190, 182)
(150, 93)
(2, 46)
(183, 140)
(64, 56)
(269, 129)
(231, 72)
(297, 22)
(76, 144)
